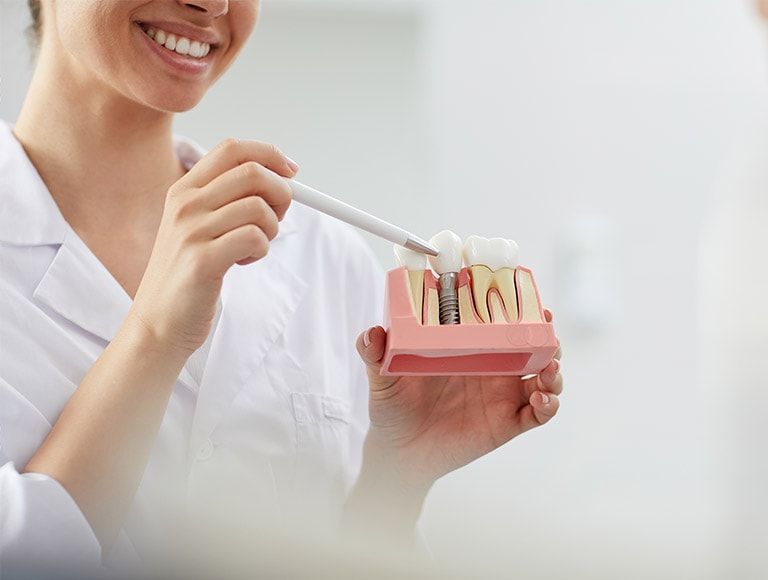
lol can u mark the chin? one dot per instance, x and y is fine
(174, 103)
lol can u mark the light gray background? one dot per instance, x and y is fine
(591, 132)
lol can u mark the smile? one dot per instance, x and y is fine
(178, 44)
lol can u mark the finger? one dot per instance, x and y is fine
(371, 345)
(233, 152)
(244, 244)
(548, 376)
(541, 408)
(247, 210)
(550, 380)
(245, 180)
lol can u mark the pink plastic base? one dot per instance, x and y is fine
(414, 349)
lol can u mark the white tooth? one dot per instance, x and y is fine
(449, 259)
(170, 42)
(151, 32)
(182, 45)
(476, 251)
(195, 49)
(413, 261)
(502, 253)
(206, 49)
(160, 37)
(495, 253)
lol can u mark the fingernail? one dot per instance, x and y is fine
(367, 338)
(292, 164)
(557, 367)
(544, 398)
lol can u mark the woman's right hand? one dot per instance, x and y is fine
(224, 211)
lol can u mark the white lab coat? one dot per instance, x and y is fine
(276, 427)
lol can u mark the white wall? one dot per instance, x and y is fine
(590, 131)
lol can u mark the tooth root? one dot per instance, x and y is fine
(504, 282)
(466, 310)
(529, 300)
(416, 283)
(496, 307)
(481, 280)
(433, 308)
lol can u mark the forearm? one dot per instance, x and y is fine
(383, 506)
(99, 446)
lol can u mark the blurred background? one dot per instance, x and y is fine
(600, 134)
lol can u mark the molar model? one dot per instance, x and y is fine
(484, 319)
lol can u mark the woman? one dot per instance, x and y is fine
(177, 342)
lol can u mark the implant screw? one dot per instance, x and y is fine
(448, 296)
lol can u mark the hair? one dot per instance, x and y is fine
(35, 29)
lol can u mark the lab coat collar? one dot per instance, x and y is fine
(28, 214)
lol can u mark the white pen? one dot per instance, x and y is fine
(328, 205)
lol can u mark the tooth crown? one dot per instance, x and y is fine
(448, 245)
(496, 253)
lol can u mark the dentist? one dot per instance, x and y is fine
(176, 339)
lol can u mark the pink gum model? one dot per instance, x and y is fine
(413, 348)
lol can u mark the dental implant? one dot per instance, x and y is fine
(447, 265)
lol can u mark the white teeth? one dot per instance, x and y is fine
(412, 261)
(180, 45)
(449, 258)
(495, 253)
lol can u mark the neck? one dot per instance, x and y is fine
(107, 160)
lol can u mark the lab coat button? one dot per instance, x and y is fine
(205, 451)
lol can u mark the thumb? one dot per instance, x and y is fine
(370, 346)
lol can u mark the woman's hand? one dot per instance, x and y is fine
(224, 211)
(425, 427)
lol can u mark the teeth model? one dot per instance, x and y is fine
(447, 265)
(416, 264)
(492, 266)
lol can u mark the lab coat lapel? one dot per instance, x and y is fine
(257, 302)
(78, 287)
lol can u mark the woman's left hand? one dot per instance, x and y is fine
(425, 427)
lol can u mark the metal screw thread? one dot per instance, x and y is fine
(448, 297)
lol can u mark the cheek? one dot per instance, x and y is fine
(242, 21)
(94, 37)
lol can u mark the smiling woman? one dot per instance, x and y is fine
(147, 381)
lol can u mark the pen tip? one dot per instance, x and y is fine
(419, 245)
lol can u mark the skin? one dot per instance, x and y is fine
(762, 6)
(95, 119)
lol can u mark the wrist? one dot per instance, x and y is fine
(148, 340)
(386, 500)
(386, 466)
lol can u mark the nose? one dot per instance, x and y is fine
(211, 8)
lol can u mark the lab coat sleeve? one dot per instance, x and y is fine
(40, 523)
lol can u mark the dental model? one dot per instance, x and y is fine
(484, 319)
(447, 264)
